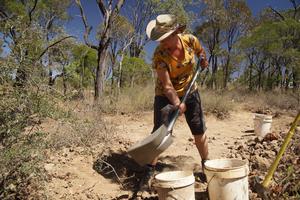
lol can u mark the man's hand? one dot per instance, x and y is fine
(204, 63)
(181, 107)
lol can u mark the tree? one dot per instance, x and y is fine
(209, 33)
(122, 37)
(276, 47)
(51, 15)
(108, 11)
(237, 18)
(23, 34)
(143, 11)
(83, 66)
(135, 71)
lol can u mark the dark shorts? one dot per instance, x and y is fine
(193, 114)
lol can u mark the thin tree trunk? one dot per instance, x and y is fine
(100, 73)
(251, 77)
(64, 80)
(226, 72)
(120, 73)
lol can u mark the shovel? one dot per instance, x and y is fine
(262, 189)
(145, 151)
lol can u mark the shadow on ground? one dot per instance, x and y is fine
(121, 169)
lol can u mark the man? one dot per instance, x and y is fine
(174, 62)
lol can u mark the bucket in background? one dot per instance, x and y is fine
(262, 125)
(175, 185)
(227, 179)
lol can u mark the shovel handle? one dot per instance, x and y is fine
(286, 141)
(198, 71)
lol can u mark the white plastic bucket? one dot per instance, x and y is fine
(175, 185)
(227, 179)
(262, 125)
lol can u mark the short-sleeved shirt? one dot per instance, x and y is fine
(180, 72)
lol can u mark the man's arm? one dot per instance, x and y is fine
(169, 90)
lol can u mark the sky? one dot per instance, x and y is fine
(75, 26)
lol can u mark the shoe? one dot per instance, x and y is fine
(146, 179)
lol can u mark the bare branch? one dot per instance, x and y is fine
(53, 44)
(118, 6)
(277, 13)
(296, 7)
(32, 10)
(113, 170)
(50, 22)
(3, 14)
(86, 26)
(101, 7)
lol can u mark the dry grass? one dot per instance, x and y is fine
(130, 100)
(218, 103)
(86, 128)
(267, 102)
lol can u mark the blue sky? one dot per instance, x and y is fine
(75, 26)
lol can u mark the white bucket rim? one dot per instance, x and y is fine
(262, 116)
(168, 180)
(239, 171)
(240, 164)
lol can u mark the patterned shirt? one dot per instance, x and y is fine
(180, 72)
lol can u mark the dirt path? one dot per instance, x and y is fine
(74, 174)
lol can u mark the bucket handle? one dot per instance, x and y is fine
(210, 180)
(175, 197)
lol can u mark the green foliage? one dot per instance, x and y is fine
(275, 42)
(121, 29)
(135, 71)
(20, 168)
(81, 71)
(178, 8)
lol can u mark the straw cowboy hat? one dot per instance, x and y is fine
(162, 27)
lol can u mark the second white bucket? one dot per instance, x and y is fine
(262, 125)
(227, 179)
(175, 185)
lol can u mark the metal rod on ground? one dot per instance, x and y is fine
(286, 141)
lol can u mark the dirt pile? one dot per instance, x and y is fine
(261, 154)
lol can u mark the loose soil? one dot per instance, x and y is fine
(106, 172)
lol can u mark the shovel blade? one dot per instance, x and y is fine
(146, 150)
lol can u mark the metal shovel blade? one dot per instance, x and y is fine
(145, 151)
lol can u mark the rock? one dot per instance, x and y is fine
(12, 187)
(271, 136)
(251, 143)
(268, 154)
(262, 162)
(241, 147)
(259, 146)
(89, 196)
(190, 139)
(49, 167)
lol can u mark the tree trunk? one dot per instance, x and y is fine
(214, 73)
(100, 72)
(296, 77)
(64, 80)
(226, 72)
(50, 82)
(251, 77)
(135, 50)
